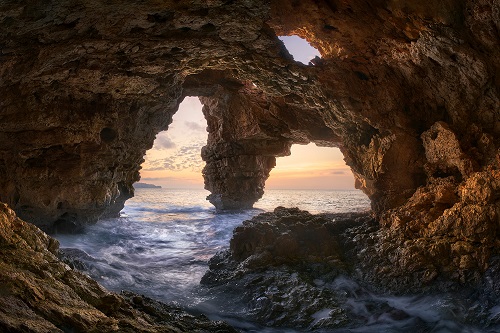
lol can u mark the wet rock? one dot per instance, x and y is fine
(75, 258)
(336, 285)
(407, 90)
(286, 236)
(279, 260)
(40, 293)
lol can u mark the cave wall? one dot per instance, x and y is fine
(408, 92)
(85, 88)
(424, 77)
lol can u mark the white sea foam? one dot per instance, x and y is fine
(161, 245)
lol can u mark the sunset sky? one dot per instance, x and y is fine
(175, 162)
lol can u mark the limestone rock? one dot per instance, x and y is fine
(287, 266)
(443, 151)
(86, 87)
(407, 90)
(285, 236)
(272, 262)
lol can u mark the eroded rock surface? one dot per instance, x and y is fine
(39, 293)
(409, 92)
(290, 268)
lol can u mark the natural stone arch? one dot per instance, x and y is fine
(247, 131)
(313, 167)
(86, 86)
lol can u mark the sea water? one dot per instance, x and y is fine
(161, 244)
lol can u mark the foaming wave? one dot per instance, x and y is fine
(171, 210)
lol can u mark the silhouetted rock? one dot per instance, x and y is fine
(145, 185)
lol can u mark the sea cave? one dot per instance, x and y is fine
(408, 91)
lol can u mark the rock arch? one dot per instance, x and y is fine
(86, 86)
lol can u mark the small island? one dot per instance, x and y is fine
(145, 185)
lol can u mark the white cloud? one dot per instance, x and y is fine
(195, 126)
(186, 157)
(163, 142)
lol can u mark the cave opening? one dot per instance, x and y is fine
(174, 161)
(86, 86)
(311, 167)
(314, 178)
(300, 49)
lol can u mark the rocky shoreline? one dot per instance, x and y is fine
(40, 293)
(287, 268)
(407, 90)
(295, 269)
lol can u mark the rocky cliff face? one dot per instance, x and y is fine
(409, 92)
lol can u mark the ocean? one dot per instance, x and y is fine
(160, 246)
(161, 243)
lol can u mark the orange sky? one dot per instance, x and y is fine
(175, 162)
(311, 167)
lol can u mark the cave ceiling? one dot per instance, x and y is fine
(407, 90)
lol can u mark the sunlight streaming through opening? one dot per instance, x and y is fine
(300, 49)
(175, 159)
(311, 167)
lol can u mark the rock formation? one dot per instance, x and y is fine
(242, 146)
(290, 268)
(408, 91)
(40, 293)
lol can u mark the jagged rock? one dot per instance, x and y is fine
(290, 268)
(285, 236)
(39, 293)
(275, 266)
(408, 92)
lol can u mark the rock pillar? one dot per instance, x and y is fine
(237, 181)
(240, 152)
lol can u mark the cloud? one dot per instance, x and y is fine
(153, 169)
(195, 126)
(155, 179)
(163, 142)
(187, 157)
(152, 165)
(338, 172)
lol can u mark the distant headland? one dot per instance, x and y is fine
(145, 185)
